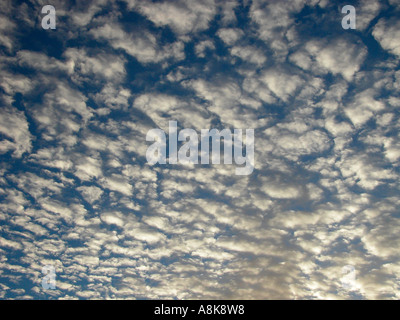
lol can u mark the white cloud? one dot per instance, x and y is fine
(156, 106)
(363, 107)
(88, 68)
(230, 35)
(142, 45)
(181, 16)
(88, 168)
(228, 11)
(293, 145)
(223, 96)
(360, 170)
(282, 84)
(249, 54)
(7, 27)
(83, 198)
(387, 33)
(117, 183)
(338, 56)
(273, 20)
(91, 193)
(13, 124)
(41, 62)
(366, 13)
(202, 47)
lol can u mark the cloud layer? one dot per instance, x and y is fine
(77, 193)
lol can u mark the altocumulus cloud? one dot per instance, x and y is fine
(77, 193)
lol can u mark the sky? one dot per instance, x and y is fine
(318, 218)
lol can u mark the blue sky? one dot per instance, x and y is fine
(77, 193)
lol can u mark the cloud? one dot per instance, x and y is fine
(86, 67)
(181, 16)
(249, 54)
(156, 106)
(7, 27)
(296, 144)
(363, 108)
(366, 13)
(91, 193)
(77, 193)
(201, 48)
(14, 125)
(41, 62)
(281, 83)
(143, 46)
(339, 56)
(387, 32)
(230, 35)
(273, 20)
